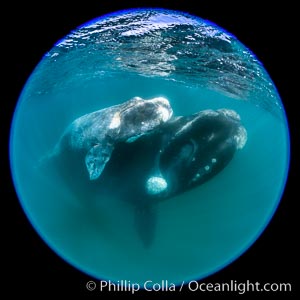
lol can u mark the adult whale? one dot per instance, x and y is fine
(181, 154)
(194, 149)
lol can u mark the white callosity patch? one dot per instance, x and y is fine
(230, 113)
(204, 170)
(164, 110)
(196, 177)
(165, 116)
(156, 185)
(115, 122)
(240, 137)
(162, 100)
(137, 98)
(208, 113)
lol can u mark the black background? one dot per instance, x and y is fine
(29, 31)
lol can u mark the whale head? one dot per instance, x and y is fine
(139, 117)
(199, 147)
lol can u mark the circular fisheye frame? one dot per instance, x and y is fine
(149, 145)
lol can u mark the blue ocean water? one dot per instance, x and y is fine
(196, 66)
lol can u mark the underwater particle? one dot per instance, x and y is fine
(156, 185)
(213, 160)
(206, 168)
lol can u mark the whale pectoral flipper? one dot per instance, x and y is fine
(96, 159)
(145, 223)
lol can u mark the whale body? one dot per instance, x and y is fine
(182, 154)
(93, 136)
(137, 153)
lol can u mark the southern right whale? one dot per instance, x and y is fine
(194, 149)
(147, 166)
(181, 154)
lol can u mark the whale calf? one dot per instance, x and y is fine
(93, 136)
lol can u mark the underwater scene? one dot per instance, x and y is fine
(149, 144)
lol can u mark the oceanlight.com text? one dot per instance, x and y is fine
(192, 286)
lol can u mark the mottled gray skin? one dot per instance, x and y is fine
(97, 133)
